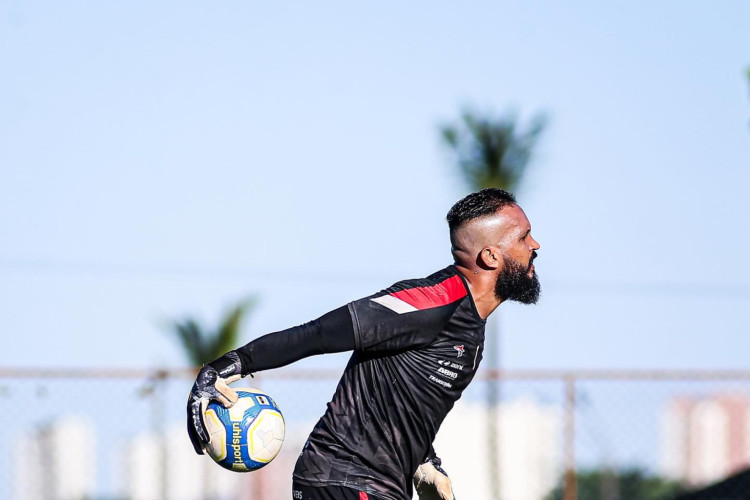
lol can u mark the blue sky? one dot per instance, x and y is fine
(163, 160)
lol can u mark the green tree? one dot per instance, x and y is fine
(202, 345)
(493, 151)
(626, 484)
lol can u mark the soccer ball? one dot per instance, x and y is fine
(246, 436)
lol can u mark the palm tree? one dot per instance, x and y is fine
(202, 345)
(493, 152)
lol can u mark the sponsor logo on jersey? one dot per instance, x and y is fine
(460, 350)
(450, 364)
(447, 373)
(297, 494)
(441, 382)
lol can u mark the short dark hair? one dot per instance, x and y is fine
(484, 202)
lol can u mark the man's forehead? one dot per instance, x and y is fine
(515, 216)
(507, 218)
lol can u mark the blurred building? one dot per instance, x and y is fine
(705, 439)
(527, 461)
(184, 475)
(55, 461)
(166, 467)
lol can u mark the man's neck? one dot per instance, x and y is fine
(482, 289)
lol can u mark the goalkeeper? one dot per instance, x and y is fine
(417, 345)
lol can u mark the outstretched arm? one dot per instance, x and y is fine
(332, 332)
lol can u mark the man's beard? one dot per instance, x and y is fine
(514, 282)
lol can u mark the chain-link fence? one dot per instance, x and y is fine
(120, 434)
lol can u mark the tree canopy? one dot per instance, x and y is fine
(625, 484)
(493, 151)
(202, 345)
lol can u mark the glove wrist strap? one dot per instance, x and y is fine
(227, 365)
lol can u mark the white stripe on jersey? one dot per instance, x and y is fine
(395, 304)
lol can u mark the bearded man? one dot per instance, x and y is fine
(416, 346)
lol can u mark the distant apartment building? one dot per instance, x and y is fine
(184, 475)
(58, 461)
(704, 439)
(55, 461)
(166, 467)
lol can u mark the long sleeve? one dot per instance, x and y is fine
(332, 332)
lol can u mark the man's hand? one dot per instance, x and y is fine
(211, 384)
(432, 482)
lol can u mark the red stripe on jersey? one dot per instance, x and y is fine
(363, 496)
(427, 297)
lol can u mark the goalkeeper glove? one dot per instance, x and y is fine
(432, 482)
(211, 384)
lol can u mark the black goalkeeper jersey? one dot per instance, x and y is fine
(418, 345)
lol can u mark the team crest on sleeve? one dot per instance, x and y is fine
(459, 349)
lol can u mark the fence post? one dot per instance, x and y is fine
(570, 486)
(494, 426)
(493, 431)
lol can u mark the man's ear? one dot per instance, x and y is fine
(489, 258)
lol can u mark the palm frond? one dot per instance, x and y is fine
(492, 151)
(227, 336)
(202, 345)
(191, 337)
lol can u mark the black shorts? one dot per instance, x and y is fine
(301, 492)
